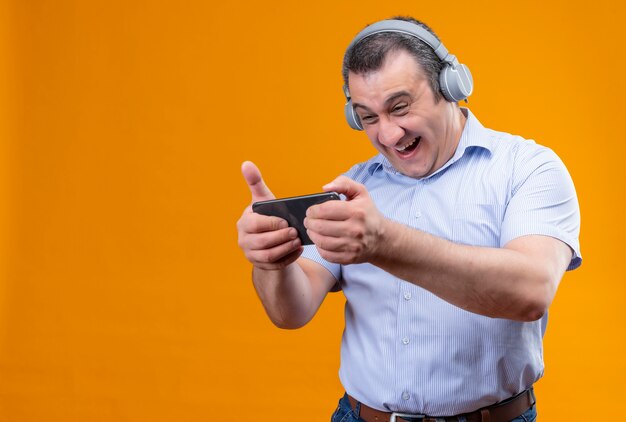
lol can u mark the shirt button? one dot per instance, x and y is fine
(405, 340)
(418, 214)
(405, 396)
(407, 295)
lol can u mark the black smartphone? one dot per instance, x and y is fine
(293, 210)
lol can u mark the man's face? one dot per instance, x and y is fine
(401, 117)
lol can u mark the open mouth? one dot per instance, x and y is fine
(410, 147)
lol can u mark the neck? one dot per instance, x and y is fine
(454, 130)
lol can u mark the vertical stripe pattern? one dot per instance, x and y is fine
(404, 349)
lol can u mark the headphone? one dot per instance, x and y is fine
(455, 79)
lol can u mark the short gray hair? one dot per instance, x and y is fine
(368, 55)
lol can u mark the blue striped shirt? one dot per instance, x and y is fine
(403, 348)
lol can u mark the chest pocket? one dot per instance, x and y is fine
(478, 224)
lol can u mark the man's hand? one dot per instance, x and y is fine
(346, 232)
(267, 242)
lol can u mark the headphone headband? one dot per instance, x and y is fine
(407, 28)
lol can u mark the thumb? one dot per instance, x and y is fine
(346, 186)
(258, 188)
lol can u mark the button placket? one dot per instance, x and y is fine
(416, 212)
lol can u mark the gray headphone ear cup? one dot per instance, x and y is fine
(352, 117)
(456, 82)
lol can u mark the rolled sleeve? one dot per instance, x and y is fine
(310, 252)
(543, 201)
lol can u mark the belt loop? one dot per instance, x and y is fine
(357, 409)
(485, 416)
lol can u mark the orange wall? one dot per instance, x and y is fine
(123, 294)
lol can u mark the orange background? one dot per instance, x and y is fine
(123, 294)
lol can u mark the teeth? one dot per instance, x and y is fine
(407, 145)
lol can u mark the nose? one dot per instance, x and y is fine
(389, 133)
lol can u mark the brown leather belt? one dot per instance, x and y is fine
(504, 411)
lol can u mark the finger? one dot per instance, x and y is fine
(275, 254)
(336, 257)
(257, 223)
(284, 261)
(270, 239)
(258, 188)
(331, 210)
(328, 243)
(326, 227)
(347, 186)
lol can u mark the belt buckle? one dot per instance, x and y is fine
(406, 416)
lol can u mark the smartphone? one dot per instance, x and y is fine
(293, 210)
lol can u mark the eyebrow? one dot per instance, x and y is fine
(389, 99)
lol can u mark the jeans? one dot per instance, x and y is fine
(345, 413)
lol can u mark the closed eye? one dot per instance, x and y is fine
(369, 119)
(400, 109)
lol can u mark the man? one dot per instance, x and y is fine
(449, 246)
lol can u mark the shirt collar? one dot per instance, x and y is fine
(471, 137)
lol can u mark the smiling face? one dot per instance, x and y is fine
(402, 118)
